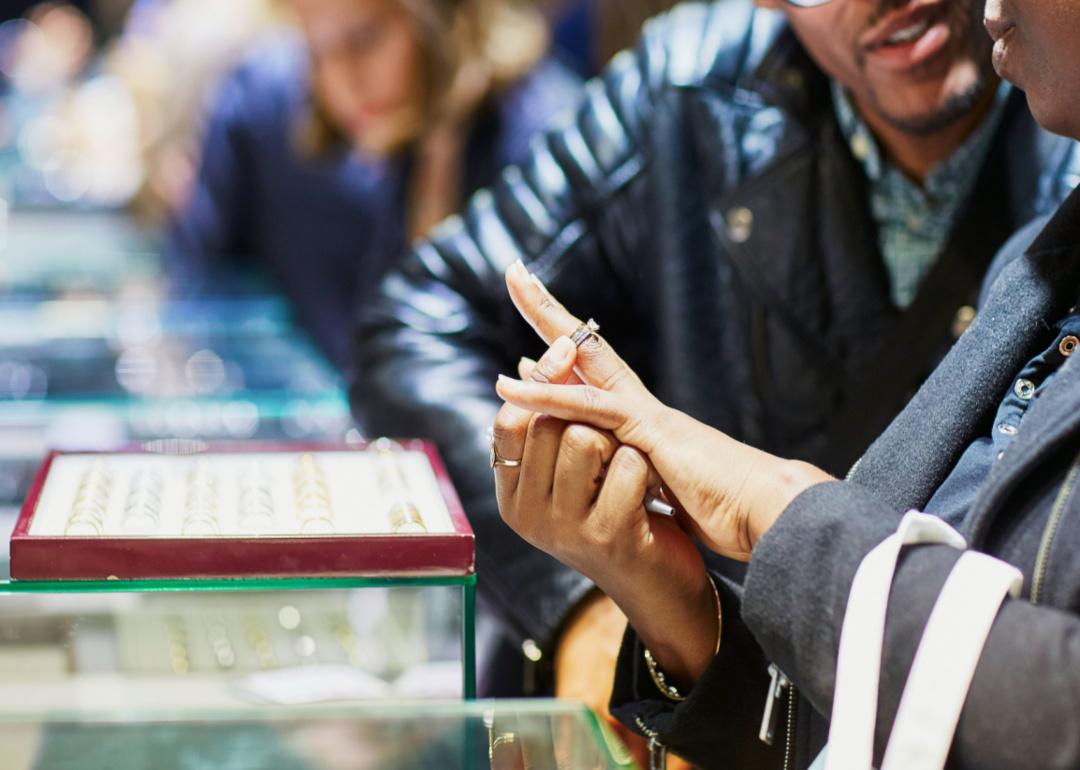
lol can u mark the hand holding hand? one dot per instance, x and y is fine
(732, 492)
(574, 492)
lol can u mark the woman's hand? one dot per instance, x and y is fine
(732, 492)
(578, 495)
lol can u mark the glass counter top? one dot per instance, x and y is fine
(504, 735)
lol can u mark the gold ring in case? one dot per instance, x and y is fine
(317, 525)
(406, 519)
(200, 525)
(83, 527)
(89, 507)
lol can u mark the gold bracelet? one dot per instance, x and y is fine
(657, 675)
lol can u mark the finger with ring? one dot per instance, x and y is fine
(583, 332)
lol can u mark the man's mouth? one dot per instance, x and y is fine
(904, 25)
(909, 35)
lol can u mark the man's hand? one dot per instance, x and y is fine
(585, 668)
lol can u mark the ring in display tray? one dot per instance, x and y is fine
(243, 510)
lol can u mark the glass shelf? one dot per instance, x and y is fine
(505, 735)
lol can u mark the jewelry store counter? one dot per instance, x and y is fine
(130, 646)
(510, 735)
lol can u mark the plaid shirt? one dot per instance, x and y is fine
(914, 221)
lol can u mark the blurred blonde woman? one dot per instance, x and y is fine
(328, 150)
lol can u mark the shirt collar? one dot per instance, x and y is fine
(944, 178)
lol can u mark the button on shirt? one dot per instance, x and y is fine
(914, 222)
(954, 497)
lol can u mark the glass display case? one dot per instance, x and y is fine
(235, 576)
(510, 735)
(137, 646)
(97, 374)
(28, 431)
(49, 252)
(149, 364)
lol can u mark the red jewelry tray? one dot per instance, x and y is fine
(39, 552)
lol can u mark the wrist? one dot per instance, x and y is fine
(786, 480)
(682, 631)
(660, 679)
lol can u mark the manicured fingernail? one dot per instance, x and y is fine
(517, 266)
(506, 380)
(525, 361)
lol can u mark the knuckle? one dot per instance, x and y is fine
(506, 427)
(543, 424)
(604, 538)
(629, 461)
(548, 303)
(581, 439)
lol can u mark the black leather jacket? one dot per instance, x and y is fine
(704, 207)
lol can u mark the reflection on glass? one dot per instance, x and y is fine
(538, 735)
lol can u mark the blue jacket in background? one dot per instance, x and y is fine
(327, 228)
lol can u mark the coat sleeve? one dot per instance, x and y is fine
(1020, 710)
(428, 349)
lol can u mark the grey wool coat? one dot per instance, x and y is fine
(1023, 709)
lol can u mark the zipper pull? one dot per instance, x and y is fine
(657, 750)
(657, 755)
(778, 683)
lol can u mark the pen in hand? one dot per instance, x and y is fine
(654, 504)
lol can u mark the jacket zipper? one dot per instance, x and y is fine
(1051, 531)
(657, 750)
(789, 741)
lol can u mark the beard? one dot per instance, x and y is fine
(966, 24)
(954, 107)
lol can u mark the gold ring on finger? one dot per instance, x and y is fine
(498, 461)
